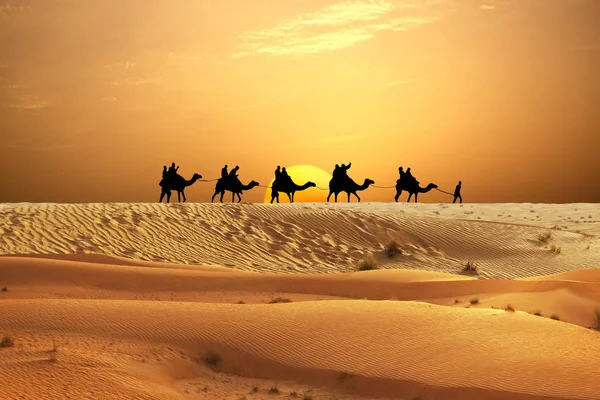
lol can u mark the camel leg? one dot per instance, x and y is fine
(162, 195)
(290, 197)
(416, 196)
(397, 196)
(239, 198)
(222, 194)
(233, 197)
(409, 197)
(335, 197)
(213, 198)
(293, 196)
(357, 197)
(168, 196)
(183, 194)
(329, 195)
(348, 197)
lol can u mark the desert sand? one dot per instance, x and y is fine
(257, 301)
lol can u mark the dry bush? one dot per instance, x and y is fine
(474, 301)
(212, 359)
(392, 249)
(555, 317)
(280, 300)
(509, 308)
(470, 268)
(596, 324)
(6, 341)
(274, 389)
(368, 264)
(544, 238)
(555, 249)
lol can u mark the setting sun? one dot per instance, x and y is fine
(302, 174)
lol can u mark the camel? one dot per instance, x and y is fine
(235, 187)
(177, 183)
(349, 186)
(289, 188)
(413, 188)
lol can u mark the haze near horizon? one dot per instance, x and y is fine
(95, 97)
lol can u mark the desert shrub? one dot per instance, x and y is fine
(544, 238)
(255, 389)
(212, 359)
(294, 394)
(555, 317)
(392, 249)
(5, 289)
(307, 397)
(368, 264)
(537, 313)
(596, 323)
(241, 302)
(509, 308)
(474, 301)
(555, 249)
(6, 341)
(280, 300)
(274, 389)
(471, 268)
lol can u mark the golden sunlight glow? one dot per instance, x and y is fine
(301, 174)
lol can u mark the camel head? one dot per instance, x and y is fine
(311, 184)
(196, 177)
(369, 182)
(432, 186)
(253, 184)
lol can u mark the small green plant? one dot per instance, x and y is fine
(392, 249)
(471, 268)
(6, 341)
(212, 359)
(509, 308)
(474, 301)
(555, 249)
(368, 264)
(555, 317)
(280, 300)
(274, 389)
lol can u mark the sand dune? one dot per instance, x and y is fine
(313, 238)
(167, 285)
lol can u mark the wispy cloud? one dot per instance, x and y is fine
(109, 99)
(396, 83)
(339, 26)
(487, 7)
(8, 8)
(135, 81)
(127, 65)
(27, 102)
(343, 138)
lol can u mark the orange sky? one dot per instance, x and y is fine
(96, 96)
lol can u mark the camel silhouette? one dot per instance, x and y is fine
(289, 188)
(177, 183)
(234, 187)
(412, 188)
(348, 186)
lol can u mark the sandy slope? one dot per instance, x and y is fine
(313, 238)
(115, 325)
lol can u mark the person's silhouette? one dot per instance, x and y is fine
(233, 176)
(344, 171)
(278, 172)
(336, 171)
(173, 170)
(409, 177)
(285, 177)
(402, 173)
(224, 173)
(165, 172)
(457, 194)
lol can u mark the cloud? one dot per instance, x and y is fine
(336, 27)
(27, 102)
(135, 81)
(338, 139)
(7, 9)
(396, 83)
(109, 99)
(488, 7)
(127, 65)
